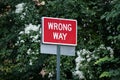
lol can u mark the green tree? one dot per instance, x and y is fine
(19, 44)
(97, 52)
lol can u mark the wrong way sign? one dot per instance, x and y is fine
(59, 31)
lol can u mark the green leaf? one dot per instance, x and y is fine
(105, 74)
(104, 59)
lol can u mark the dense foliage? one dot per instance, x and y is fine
(97, 52)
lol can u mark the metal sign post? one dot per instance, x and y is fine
(58, 33)
(58, 62)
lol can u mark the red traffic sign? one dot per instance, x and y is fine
(59, 31)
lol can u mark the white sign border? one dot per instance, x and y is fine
(53, 42)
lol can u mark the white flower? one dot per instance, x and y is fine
(34, 38)
(84, 39)
(22, 15)
(94, 56)
(87, 56)
(101, 47)
(33, 52)
(29, 51)
(79, 59)
(37, 51)
(77, 66)
(79, 74)
(111, 51)
(22, 41)
(19, 38)
(40, 31)
(21, 32)
(89, 59)
(30, 62)
(31, 27)
(17, 43)
(50, 75)
(83, 51)
(78, 53)
(19, 7)
(42, 3)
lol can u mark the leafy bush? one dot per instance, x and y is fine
(97, 52)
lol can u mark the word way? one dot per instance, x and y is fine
(59, 36)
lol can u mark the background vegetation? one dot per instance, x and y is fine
(97, 52)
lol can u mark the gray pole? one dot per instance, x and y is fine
(58, 62)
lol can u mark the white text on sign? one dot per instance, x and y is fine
(60, 27)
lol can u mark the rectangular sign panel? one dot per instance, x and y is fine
(59, 31)
(52, 49)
